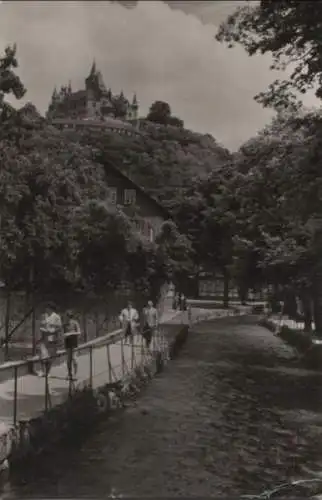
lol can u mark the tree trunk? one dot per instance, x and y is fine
(226, 289)
(290, 304)
(243, 294)
(317, 305)
(307, 311)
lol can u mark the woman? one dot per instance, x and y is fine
(150, 315)
(129, 319)
(71, 335)
(50, 330)
(175, 303)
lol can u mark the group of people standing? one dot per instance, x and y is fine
(53, 327)
(130, 322)
(179, 302)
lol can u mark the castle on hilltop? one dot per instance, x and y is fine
(94, 103)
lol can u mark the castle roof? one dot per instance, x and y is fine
(77, 96)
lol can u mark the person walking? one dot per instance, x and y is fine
(183, 302)
(175, 303)
(129, 319)
(50, 330)
(151, 320)
(71, 334)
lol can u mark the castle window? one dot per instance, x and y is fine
(129, 196)
(151, 234)
(112, 195)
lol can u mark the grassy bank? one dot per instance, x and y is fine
(304, 343)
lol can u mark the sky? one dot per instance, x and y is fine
(160, 50)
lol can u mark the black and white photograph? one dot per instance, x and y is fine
(160, 249)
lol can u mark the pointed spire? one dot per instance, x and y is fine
(135, 101)
(54, 94)
(69, 87)
(122, 95)
(93, 68)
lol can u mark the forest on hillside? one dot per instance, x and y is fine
(58, 231)
(164, 159)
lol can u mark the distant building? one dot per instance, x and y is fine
(211, 286)
(146, 213)
(93, 107)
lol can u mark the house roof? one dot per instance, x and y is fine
(138, 188)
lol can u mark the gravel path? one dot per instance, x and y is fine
(234, 414)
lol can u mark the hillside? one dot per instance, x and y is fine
(163, 159)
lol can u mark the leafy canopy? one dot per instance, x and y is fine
(10, 82)
(291, 32)
(160, 112)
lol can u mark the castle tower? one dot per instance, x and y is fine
(95, 92)
(90, 84)
(53, 103)
(133, 109)
(54, 94)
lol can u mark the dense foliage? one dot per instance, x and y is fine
(163, 159)
(279, 170)
(58, 231)
(160, 112)
(258, 219)
(254, 216)
(291, 33)
(10, 82)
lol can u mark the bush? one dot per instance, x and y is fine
(296, 338)
(258, 309)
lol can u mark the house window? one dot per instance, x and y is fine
(151, 234)
(129, 196)
(112, 195)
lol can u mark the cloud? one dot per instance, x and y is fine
(160, 52)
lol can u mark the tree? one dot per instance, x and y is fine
(291, 32)
(176, 252)
(146, 268)
(176, 122)
(103, 237)
(159, 112)
(10, 83)
(164, 160)
(44, 178)
(280, 189)
(206, 213)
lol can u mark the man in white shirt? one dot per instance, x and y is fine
(50, 330)
(129, 318)
(151, 321)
